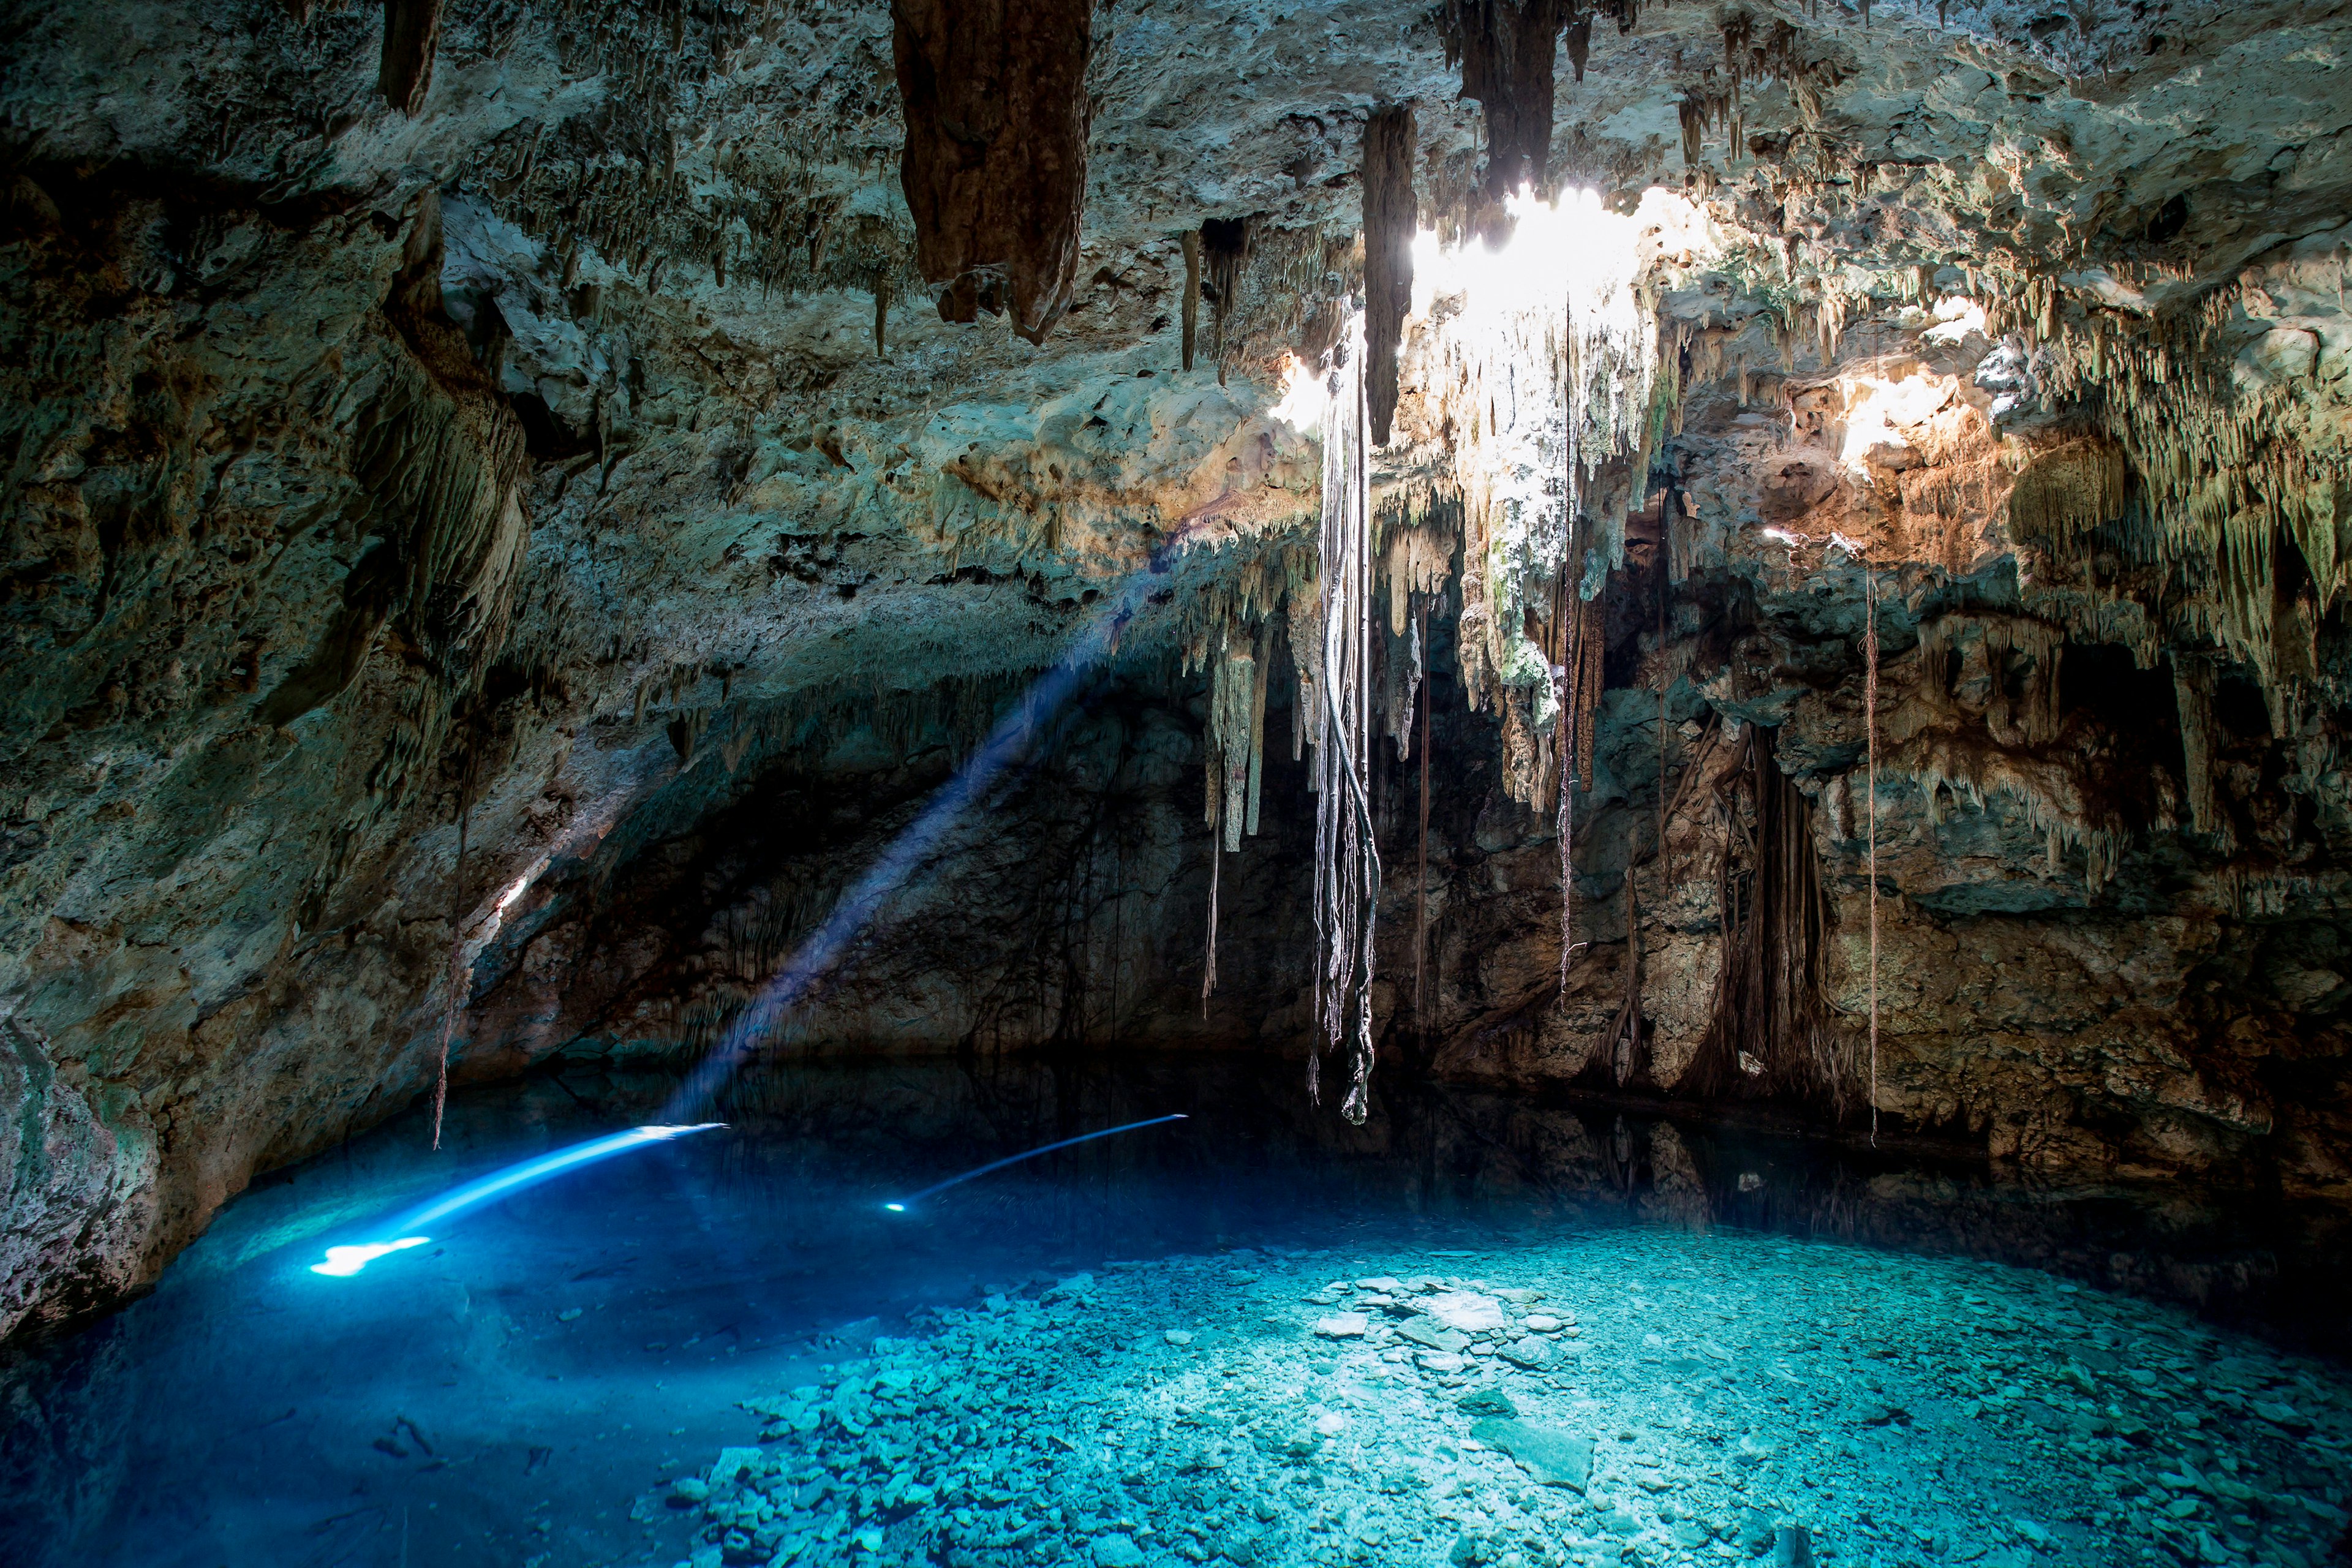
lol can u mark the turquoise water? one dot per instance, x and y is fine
(1479, 1330)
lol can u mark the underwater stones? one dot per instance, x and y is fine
(1488, 1401)
(1345, 1437)
(1427, 1332)
(1466, 1311)
(1117, 1551)
(1528, 1351)
(1616, 1519)
(1343, 1326)
(1553, 1457)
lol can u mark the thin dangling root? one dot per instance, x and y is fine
(1869, 732)
(1209, 972)
(456, 993)
(1421, 910)
(1347, 861)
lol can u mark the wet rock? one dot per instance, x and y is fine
(1488, 1401)
(1466, 1311)
(1117, 1551)
(1343, 1326)
(1553, 1457)
(1428, 1332)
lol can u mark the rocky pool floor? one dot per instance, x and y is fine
(1549, 1332)
(1622, 1396)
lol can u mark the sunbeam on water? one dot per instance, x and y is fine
(343, 1261)
(903, 1205)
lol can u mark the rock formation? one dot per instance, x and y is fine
(541, 436)
(994, 171)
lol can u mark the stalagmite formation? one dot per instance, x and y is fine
(443, 454)
(994, 169)
(1870, 803)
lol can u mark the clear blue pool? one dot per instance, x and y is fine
(1217, 1341)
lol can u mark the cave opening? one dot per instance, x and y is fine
(717, 848)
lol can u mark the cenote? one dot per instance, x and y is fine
(1480, 1324)
(1175, 783)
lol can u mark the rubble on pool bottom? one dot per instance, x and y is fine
(1630, 1397)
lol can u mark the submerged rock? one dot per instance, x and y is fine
(1554, 1457)
(1117, 1551)
(987, 1447)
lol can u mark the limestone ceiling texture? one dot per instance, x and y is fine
(580, 456)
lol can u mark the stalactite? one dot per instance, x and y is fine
(2226, 466)
(1263, 667)
(1667, 505)
(411, 32)
(1625, 1030)
(1390, 221)
(1547, 375)
(1216, 872)
(2193, 685)
(1507, 49)
(994, 169)
(1305, 630)
(1225, 244)
(1235, 706)
(1564, 830)
(1191, 244)
(1347, 861)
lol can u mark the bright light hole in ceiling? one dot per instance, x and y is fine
(1303, 396)
(1878, 412)
(1955, 318)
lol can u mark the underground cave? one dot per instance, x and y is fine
(1176, 783)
